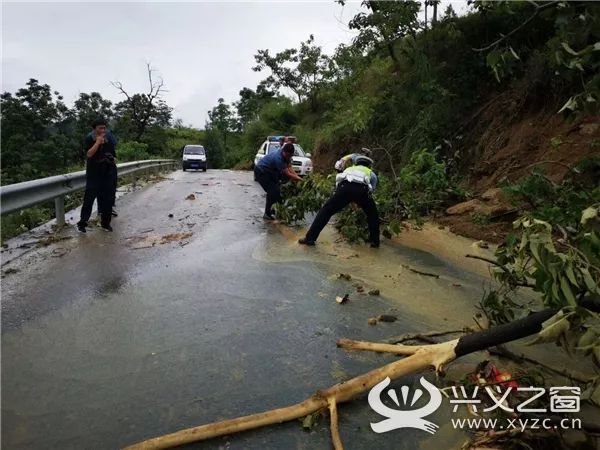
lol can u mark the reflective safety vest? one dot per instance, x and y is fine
(355, 174)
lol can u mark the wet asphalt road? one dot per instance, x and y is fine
(110, 344)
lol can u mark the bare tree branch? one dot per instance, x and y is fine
(537, 10)
(143, 106)
(497, 264)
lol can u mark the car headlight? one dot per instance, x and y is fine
(185, 158)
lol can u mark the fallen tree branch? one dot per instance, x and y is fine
(497, 264)
(421, 357)
(335, 431)
(483, 258)
(427, 274)
(425, 337)
(397, 349)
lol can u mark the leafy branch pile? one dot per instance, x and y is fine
(563, 267)
(304, 197)
(422, 187)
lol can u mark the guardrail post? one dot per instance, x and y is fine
(59, 207)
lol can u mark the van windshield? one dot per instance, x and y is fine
(193, 150)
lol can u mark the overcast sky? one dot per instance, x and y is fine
(202, 50)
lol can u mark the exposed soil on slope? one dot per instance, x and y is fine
(508, 152)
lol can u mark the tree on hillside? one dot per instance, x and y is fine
(385, 23)
(250, 103)
(35, 142)
(302, 70)
(220, 125)
(140, 111)
(88, 107)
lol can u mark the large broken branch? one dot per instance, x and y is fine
(420, 357)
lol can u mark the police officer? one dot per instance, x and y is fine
(270, 170)
(100, 148)
(354, 185)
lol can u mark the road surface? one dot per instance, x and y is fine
(112, 338)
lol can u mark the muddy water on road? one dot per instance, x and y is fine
(443, 295)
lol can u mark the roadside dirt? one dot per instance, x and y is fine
(520, 129)
(464, 226)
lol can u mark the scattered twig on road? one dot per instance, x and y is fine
(427, 274)
(425, 337)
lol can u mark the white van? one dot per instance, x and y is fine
(194, 157)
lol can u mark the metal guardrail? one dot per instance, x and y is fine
(15, 197)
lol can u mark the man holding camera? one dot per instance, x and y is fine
(100, 147)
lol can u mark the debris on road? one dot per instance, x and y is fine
(150, 240)
(374, 292)
(359, 288)
(481, 244)
(191, 197)
(387, 318)
(345, 276)
(59, 252)
(170, 215)
(343, 299)
(44, 242)
(427, 274)
(9, 271)
(311, 421)
(382, 318)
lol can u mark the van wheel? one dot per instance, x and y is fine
(204, 170)
(183, 169)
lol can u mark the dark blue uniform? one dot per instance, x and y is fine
(268, 173)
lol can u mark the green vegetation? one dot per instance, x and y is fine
(558, 203)
(422, 187)
(402, 85)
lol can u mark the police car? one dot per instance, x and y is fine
(301, 162)
(194, 157)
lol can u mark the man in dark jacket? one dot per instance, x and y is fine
(270, 170)
(100, 148)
